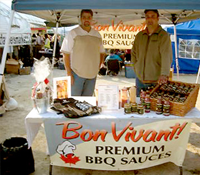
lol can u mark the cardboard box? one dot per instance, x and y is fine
(25, 71)
(12, 66)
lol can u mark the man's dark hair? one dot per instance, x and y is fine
(153, 10)
(86, 11)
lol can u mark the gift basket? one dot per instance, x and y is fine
(41, 91)
(182, 96)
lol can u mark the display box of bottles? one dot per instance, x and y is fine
(182, 96)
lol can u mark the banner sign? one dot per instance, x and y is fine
(116, 144)
(118, 36)
(16, 39)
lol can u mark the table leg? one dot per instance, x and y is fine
(181, 170)
(50, 169)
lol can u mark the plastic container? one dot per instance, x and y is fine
(129, 71)
(41, 105)
(16, 157)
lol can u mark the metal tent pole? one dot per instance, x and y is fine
(54, 46)
(198, 74)
(181, 170)
(50, 169)
(176, 51)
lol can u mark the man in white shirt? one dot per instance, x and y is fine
(83, 54)
(39, 39)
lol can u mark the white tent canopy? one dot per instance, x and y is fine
(64, 30)
(33, 19)
(20, 28)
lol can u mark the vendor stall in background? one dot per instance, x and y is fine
(20, 38)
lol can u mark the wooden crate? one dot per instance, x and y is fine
(12, 66)
(179, 109)
(25, 71)
(12, 69)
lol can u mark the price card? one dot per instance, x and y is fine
(108, 96)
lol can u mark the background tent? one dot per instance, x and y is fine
(35, 22)
(64, 30)
(188, 34)
(20, 29)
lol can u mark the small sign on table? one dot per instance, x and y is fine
(108, 96)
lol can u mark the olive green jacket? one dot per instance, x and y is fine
(151, 55)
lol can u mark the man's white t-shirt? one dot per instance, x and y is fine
(84, 49)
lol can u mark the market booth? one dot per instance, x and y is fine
(114, 130)
(112, 139)
(20, 37)
(189, 33)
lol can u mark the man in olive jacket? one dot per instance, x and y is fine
(151, 53)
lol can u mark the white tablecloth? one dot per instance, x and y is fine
(34, 120)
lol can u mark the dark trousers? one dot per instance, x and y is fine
(140, 85)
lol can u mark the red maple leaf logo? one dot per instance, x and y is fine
(71, 159)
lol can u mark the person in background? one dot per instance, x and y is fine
(83, 54)
(47, 41)
(113, 66)
(33, 44)
(39, 40)
(128, 55)
(39, 44)
(151, 53)
(113, 56)
(33, 39)
(117, 52)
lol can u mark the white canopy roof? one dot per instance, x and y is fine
(20, 29)
(19, 25)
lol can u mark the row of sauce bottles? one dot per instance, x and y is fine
(162, 105)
